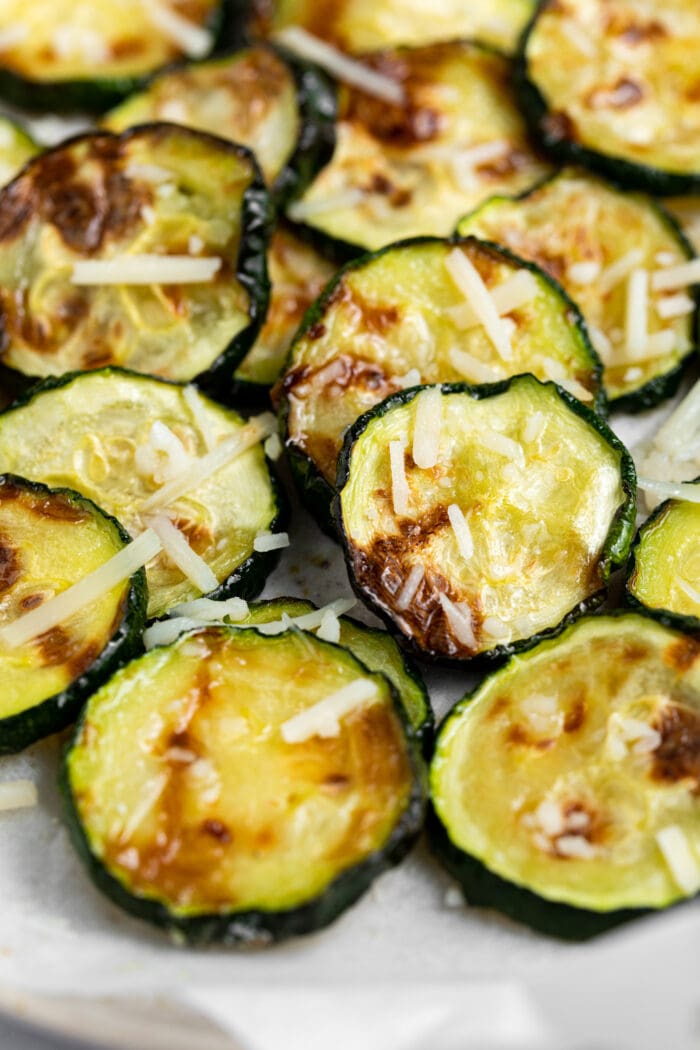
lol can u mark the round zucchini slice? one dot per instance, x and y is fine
(566, 787)
(599, 243)
(16, 148)
(145, 250)
(664, 571)
(402, 170)
(614, 87)
(124, 440)
(49, 540)
(262, 801)
(363, 25)
(298, 274)
(400, 318)
(522, 506)
(283, 110)
(61, 56)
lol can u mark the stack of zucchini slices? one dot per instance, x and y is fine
(359, 217)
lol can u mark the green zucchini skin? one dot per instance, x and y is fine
(60, 710)
(616, 549)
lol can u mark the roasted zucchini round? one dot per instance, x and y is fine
(566, 787)
(59, 56)
(282, 109)
(145, 250)
(523, 504)
(614, 87)
(402, 170)
(599, 243)
(403, 317)
(124, 440)
(16, 148)
(50, 539)
(274, 781)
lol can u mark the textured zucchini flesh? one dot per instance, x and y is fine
(158, 190)
(90, 432)
(615, 87)
(281, 111)
(405, 170)
(218, 828)
(16, 148)
(388, 316)
(547, 493)
(298, 274)
(552, 781)
(363, 25)
(576, 220)
(664, 572)
(377, 650)
(62, 56)
(50, 539)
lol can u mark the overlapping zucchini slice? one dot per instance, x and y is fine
(90, 234)
(397, 319)
(615, 86)
(283, 110)
(274, 780)
(400, 170)
(59, 55)
(664, 571)
(566, 787)
(522, 505)
(363, 25)
(16, 148)
(599, 243)
(49, 540)
(124, 440)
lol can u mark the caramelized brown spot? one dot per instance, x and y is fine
(575, 716)
(558, 127)
(678, 755)
(15, 209)
(10, 565)
(31, 601)
(128, 47)
(682, 654)
(180, 739)
(97, 356)
(198, 535)
(217, 830)
(395, 126)
(624, 94)
(336, 782)
(58, 507)
(57, 648)
(520, 737)
(316, 331)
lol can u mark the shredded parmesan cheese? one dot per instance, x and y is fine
(462, 532)
(71, 41)
(576, 847)
(690, 592)
(472, 368)
(466, 162)
(427, 427)
(179, 551)
(583, 273)
(670, 490)
(191, 39)
(468, 280)
(459, 617)
(503, 445)
(163, 456)
(195, 403)
(410, 378)
(148, 172)
(674, 306)
(400, 492)
(495, 628)
(270, 541)
(680, 858)
(636, 315)
(578, 37)
(209, 610)
(672, 278)
(601, 343)
(410, 587)
(307, 621)
(303, 210)
(534, 427)
(273, 447)
(329, 629)
(323, 719)
(510, 295)
(145, 269)
(12, 35)
(619, 270)
(17, 794)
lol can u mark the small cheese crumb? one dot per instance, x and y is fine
(17, 794)
(400, 492)
(462, 532)
(270, 541)
(619, 270)
(471, 368)
(680, 858)
(192, 40)
(459, 617)
(427, 428)
(329, 629)
(674, 306)
(672, 278)
(583, 273)
(273, 447)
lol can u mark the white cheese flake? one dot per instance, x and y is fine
(427, 428)
(601, 343)
(17, 794)
(12, 35)
(468, 281)
(466, 162)
(210, 610)
(193, 40)
(195, 402)
(670, 490)
(307, 621)
(180, 552)
(410, 378)
(578, 36)
(583, 273)
(400, 492)
(162, 457)
(674, 306)
(511, 294)
(636, 313)
(462, 532)
(673, 278)
(410, 587)
(329, 628)
(154, 173)
(493, 627)
(323, 718)
(145, 269)
(618, 271)
(270, 541)
(680, 858)
(534, 427)
(303, 210)
(164, 632)
(575, 847)
(472, 368)
(459, 617)
(502, 445)
(273, 447)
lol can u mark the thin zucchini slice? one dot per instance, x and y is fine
(397, 318)
(16, 148)
(94, 432)
(523, 506)
(363, 25)
(686, 212)
(283, 110)
(298, 275)
(566, 787)
(614, 87)
(104, 201)
(220, 827)
(664, 571)
(406, 170)
(594, 240)
(60, 56)
(50, 539)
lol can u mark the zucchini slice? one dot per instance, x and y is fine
(16, 148)
(405, 170)
(686, 212)
(363, 25)
(283, 110)
(61, 56)
(614, 87)
(664, 571)
(50, 539)
(226, 825)
(594, 240)
(117, 437)
(398, 318)
(566, 787)
(99, 204)
(298, 275)
(522, 507)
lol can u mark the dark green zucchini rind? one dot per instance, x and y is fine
(557, 132)
(158, 189)
(16, 148)
(575, 219)
(393, 314)
(380, 565)
(301, 897)
(92, 89)
(90, 430)
(89, 663)
(541, 774)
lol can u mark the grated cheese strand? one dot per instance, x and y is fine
(459, 618)
(307, 621)
(270, 541)
(510, 295)
(195, 403)
(164, 632)
(323, 718)
(680, 858)
(17, 794)
(400, 492)
(180, 552)
(673, 278)
(329, 629)
(462, 532)
(468, 280)
(303, 210)
(427, 428)
(636, 313)
(670, 490)
(145, 269)
(191, 39)
(209, 610)
(410, 587)
(472, 368)
(619, 270)
(674, 306)
(690, 592)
